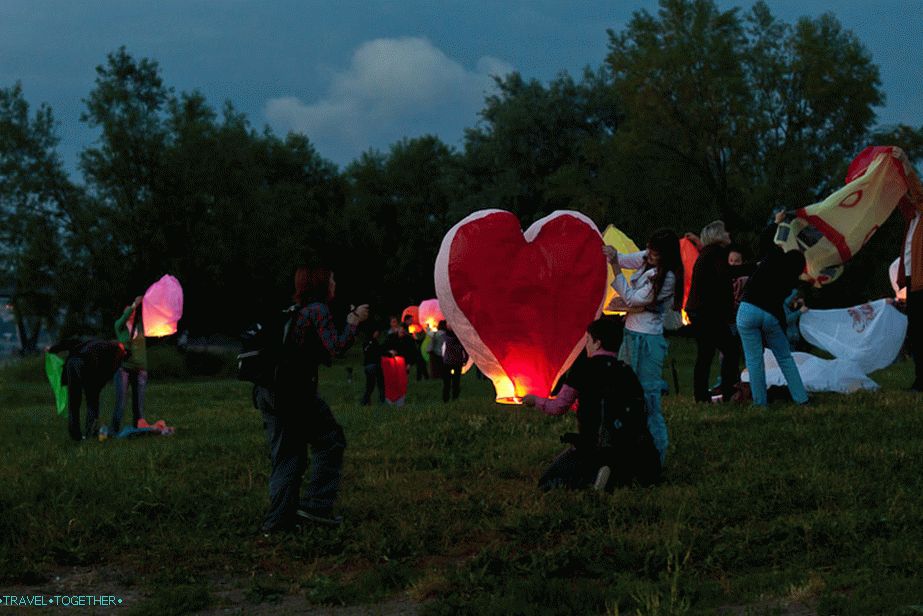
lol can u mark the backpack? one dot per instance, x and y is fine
(453, 353)
(263, 345)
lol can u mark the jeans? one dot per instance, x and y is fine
(756, 325)
(77, 385)
(138, 381)
(288, 437)
(373, 376)
(711, 335)
(915, 334)
(451, 379)
(645, 354)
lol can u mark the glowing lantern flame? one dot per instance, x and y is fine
(162, 307)
(519, 301)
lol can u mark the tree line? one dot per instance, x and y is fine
(694, 114)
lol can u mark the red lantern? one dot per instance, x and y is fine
(688, 252)
(519, 301)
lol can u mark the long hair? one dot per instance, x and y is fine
(312, 284)
(666, 243)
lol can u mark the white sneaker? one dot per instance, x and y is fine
(602, 478)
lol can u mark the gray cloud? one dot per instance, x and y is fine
(393, 87)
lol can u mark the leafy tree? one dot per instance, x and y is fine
(743, 113)
(34, 194)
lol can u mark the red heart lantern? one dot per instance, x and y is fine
(520, 302)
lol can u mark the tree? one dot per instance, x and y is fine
(34, 191)
(748, 113)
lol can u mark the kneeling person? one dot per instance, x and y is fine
(613, 445)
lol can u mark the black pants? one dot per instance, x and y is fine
(373, 376)
(451, 379)
(77, 386)
(915, 334)
(289, 436)
(711, 335)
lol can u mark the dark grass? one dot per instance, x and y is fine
(761, 510)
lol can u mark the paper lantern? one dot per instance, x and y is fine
(394, 371)
(162, 307)
(430, 314)
(688, 253)
(519, 301)
(621, 242)
(829, 233)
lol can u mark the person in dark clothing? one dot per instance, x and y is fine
(710, 307)
(454, 358)
(762, 317)
(910, 276)
(293, 414)
(371, 361)
(613, 445)
(90, 364)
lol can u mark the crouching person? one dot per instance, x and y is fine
(613, 446)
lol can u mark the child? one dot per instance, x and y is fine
(454, 358)
(613, 445)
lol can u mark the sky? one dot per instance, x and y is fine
(354, 75)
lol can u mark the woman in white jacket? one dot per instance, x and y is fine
(655, 287)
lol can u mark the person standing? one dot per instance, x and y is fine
(454, 358)
(762, 318)
(910, 275)
(129, 330)
(295, 417)
(88, 367)
(648, 295)
(710, 307)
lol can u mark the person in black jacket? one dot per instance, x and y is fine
(710, 307)
(613, 445)
(761, 317)
(90, 364)
(371, 361)
(293, 414)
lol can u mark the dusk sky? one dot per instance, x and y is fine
(358, 75)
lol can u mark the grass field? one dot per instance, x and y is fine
(782, 511)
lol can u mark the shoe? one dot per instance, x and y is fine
(602, 479)
(321, 516)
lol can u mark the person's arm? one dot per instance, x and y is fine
(638, 296)
(632, 260)
(121, 322)
(335, 342)
(553, 406)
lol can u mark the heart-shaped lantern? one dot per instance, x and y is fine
(520, 302)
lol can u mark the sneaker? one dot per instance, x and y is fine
(321, 516)
(602, 479)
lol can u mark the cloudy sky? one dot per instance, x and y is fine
(354, 75)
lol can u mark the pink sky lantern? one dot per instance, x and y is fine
(520, 302)
(430, 314)
(162, 307)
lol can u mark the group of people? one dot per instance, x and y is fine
(447, 356)
(92, 363)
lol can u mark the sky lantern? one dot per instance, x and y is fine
(519, 301)
(617, 239)
(162, 307)
(414, 313)
(430, 314)
(829, 233)
(688, 252)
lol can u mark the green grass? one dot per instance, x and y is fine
(760, 510)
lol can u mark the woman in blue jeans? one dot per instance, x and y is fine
(649, 293)
(761, 317)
